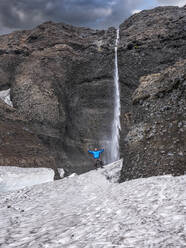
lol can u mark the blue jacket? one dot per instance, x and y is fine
(96, 154)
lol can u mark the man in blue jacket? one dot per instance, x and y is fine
(96, 154)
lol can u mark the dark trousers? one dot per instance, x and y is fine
(97, 163)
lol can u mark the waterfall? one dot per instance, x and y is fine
(116, 126)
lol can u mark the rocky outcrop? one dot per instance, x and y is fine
(152, 70)
(61, 80)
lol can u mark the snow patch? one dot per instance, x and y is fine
(14, 178)
(136, 11)
(5, 96)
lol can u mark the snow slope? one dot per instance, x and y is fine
(13, 178)
(89, 211)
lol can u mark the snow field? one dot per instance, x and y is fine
(89, 211)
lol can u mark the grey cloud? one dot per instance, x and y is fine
(25, 14)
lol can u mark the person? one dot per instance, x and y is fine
(96, 155)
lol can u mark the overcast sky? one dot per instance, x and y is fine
(25, 14)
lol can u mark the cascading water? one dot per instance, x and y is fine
(116, 126)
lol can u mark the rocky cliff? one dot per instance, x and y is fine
(61, 81)
(152, 68)
(61, 85)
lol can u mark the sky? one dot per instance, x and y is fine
(97, 14)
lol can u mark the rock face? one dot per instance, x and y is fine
(153, 84)
(61, 81)
(20, 147)
(156, 142)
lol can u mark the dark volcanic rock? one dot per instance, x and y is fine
(156, 141)
(153, 93)
(61, 80)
